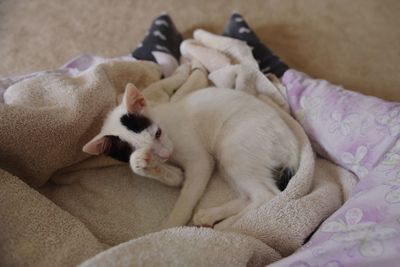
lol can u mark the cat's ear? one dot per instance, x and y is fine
(96, 146)
(133, 100)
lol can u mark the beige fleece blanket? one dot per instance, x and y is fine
(47, 120)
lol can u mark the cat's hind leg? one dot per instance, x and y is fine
(247, 164)
(257, 185)
(229, 222)
(208, 217)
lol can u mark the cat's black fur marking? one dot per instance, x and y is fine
(116, 148)
(135, 122)
(285, 174)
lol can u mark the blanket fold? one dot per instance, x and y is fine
(187, 247)
(36, 232)
(55, 114)
(46, 119)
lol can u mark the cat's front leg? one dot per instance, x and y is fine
(144, 163)
(197, 175)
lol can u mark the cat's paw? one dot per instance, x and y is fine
(140, 161)
(174, 177)
(205, 218)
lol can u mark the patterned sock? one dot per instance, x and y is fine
(162, 37)
(267, 60)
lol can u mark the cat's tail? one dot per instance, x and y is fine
(290, 163)
(284, 174)
(300, 163)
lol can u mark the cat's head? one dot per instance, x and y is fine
(127, 127)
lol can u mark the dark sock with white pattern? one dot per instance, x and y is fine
(162, 36)
(268, 62)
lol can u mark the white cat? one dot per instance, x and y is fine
(252, 147)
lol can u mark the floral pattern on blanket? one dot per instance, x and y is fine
(360, 133)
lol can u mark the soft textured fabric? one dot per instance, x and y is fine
(117, 206)
(36, 232)
(187, 247)
(360, 133)
(72, 68)
(39, 113)
(352, 130)
(326, 39)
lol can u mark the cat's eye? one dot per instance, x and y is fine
(158, 133)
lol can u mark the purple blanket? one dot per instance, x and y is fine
(360, 133)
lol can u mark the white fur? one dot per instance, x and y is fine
(242, 136)
(112, 126)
